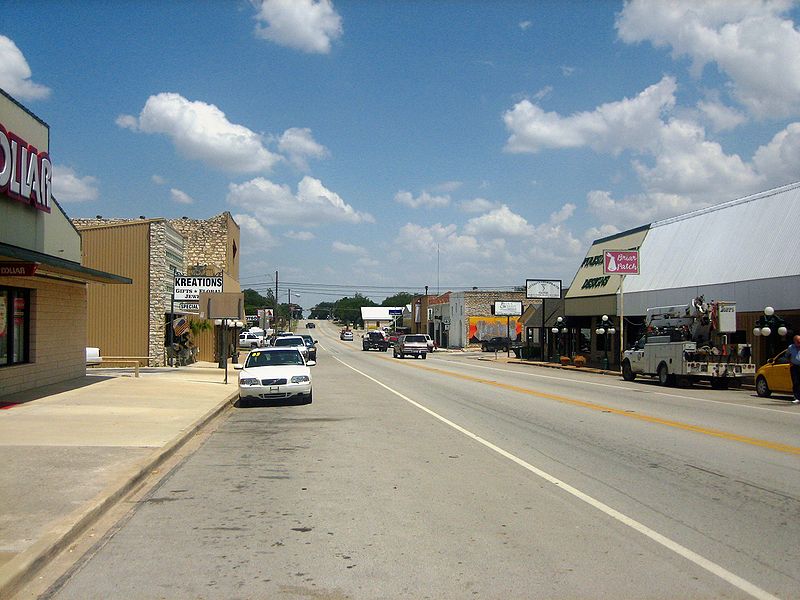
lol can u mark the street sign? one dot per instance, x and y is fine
(543, 288)
(395, 312)
(620, 262)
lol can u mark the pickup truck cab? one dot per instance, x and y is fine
(413, 344)
(374, 340)
(249, 340)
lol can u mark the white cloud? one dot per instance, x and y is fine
(299, 145)
(779, 161)
(477, 205)
(127, 122)
(613, 127)
(567, 71)
(424, 199)
(158, 180)
(500, 222)
(313, 204)
(15, 73)
(202, 132)
(301, 236)
(255, 234)
(525, 25)
(69, 187)
(300, 24)
(180, 197)
(721, 117)
(748, 41)
(344, 248)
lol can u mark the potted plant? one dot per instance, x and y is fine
(579, 361)
(564, 360)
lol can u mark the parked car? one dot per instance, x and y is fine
(496, 344)
(374, 340)
(275, 373)
(413, 344)
(346, 335)
(774, 377)
(311, 345)
(249, 340)
(292, 341)
(310, 325)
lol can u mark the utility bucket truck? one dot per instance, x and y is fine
(689, 342)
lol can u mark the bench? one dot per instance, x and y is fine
(125, 361)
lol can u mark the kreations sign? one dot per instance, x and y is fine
(26, 175)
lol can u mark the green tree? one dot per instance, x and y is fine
(348, 310)
(399, 299)
(253, 301)
(321, 310)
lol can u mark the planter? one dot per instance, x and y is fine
(579, 361)
(564, 360)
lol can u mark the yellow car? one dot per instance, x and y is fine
(774, 377)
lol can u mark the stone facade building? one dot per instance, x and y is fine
(133, 322)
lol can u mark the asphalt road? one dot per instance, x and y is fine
(460, 478)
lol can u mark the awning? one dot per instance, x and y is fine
(59, 266)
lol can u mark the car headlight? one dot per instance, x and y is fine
(300, 379)
(248, 381)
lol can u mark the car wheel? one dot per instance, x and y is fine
(241, 402)
(402, 355)
(719, 383)
(309, 398)
(762, 389)
(627, 372)
(424, 356)
(664, 378)
(483, 348)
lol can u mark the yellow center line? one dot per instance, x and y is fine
(735, 437)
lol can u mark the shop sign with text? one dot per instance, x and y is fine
(188, 287)
(17, 269)
(26, 175)
(620, 262)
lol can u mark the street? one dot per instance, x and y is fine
(456, 477)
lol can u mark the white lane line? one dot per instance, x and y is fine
(700, 561)
(624, 387)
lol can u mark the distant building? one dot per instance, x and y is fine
(375, 317)
(471, 318)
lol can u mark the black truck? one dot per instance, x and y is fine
(374, 340)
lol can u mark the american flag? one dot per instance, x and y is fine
(180, 325)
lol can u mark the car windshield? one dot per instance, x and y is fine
(308, 339)
(415, 338)
(273, 358)
(289, 341)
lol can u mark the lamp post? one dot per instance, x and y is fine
(768, 324)
(559, 329)
(606, 328)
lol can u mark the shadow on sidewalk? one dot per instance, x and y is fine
(11, 400)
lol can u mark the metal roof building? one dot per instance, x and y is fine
(744, 250)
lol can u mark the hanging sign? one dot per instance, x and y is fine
(543, 288)
(188, 287)
(620, 262)
(507, 309)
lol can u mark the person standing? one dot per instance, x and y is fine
(794, 367)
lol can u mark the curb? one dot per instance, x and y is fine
(22, 568)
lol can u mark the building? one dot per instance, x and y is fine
(153, 252)
(375, 317)
(43, 284)
(471, 318)
(740, 251)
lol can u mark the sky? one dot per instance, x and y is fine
(382, 146)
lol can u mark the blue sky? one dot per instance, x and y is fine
(350, 140)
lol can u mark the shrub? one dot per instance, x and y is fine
(565, 360)
(580, 361)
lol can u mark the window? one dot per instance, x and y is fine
(14, 325)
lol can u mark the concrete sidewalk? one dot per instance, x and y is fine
(72, 450)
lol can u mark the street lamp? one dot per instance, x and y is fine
(605, 328)
(768, 324)
(560, 327)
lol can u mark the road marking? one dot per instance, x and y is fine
(625, 387)
(701, 561)
(726, 435)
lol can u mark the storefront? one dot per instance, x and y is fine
(42, 280)
(593, 295)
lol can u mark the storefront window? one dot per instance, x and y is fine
(14, 325)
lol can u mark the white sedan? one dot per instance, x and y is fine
(275, 374)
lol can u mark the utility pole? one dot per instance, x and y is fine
(275, 316)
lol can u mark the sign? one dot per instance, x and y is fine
(395, 312)
(189, 287)
(17, 269)
(620, 262)
(26, 175)
(543, 288)
(264, 312)
(508, 309)
(251, 318)
(192, 307)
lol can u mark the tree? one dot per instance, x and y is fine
(399, 299)
(322, 310)
(348, 310)
(253, 301)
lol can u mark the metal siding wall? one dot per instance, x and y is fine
(118, 315)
